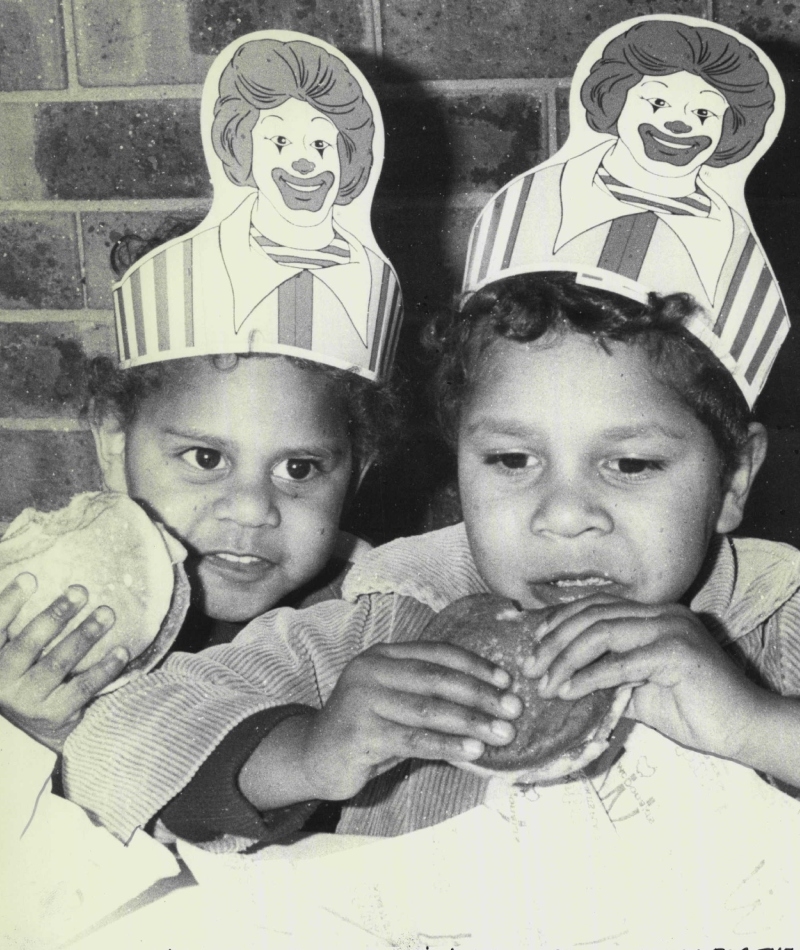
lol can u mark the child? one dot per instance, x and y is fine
(625, 500)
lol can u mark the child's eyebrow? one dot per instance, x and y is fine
(623, 433)
(503, 427)
(325, 446)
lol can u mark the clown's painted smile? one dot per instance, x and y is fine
(660, 146)
(306, 194)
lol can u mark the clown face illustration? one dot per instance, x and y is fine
(671, 125)
(296, 162)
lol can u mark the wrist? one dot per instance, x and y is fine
(771, 739)
(275, 775)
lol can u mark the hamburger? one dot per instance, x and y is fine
(554, 737)
(105, 542)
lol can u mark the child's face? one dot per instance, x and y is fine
(249, 468)
(580, 472)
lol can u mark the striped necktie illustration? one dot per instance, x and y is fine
(697, 204)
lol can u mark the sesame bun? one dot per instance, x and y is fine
(554, 737)
(105, 542)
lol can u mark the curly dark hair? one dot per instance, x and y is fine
(526, 307)
(663, 47)
(263, 74)
(374, 411)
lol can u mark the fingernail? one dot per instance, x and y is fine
(26, 583)
(501, 677)
(121, 654)
(77, 595)
(529, 666)
(472, 747)
(512, 704)
(502, 729)
(565, 690)
(543, 682)
(104, 616)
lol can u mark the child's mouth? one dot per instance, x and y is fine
(243, 567)
(567, 588)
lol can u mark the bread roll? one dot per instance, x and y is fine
(554, 737)
(105, 542)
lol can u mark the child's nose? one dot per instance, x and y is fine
(249, 504)
(677, 127)
(303, 166)
(568, 508)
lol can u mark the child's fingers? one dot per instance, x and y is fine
(24, 650)
(12, 599)
(51, 671)
(603, 618)
(430, 680)
(442, 716)
(408, 742)
(622, 640)
(448, 655)
(85, 686)
(553, 617)
(620, 669)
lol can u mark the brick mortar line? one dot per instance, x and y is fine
(551, 120)
(129, 205)
(57, 316)
(81, 258)
(446, 87)
(70, 43)
(376, 18)
(44, 424)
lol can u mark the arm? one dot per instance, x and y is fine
(141, 746)
(394, 701)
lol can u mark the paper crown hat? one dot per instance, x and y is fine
(668, 115)
(285, 262)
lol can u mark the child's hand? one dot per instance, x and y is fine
(688, 689)
(406, 700)
(36, 692)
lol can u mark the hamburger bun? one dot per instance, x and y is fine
(105, 542)
(554, 737)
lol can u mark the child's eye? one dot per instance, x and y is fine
(320, 145)
(511, 461)
(296, 470)
(209, 460)
(633, 467)
(280, 141)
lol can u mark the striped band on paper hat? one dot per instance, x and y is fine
(743, 326)
(285, 262)
(181, 301)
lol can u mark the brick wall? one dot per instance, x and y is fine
(99, 104)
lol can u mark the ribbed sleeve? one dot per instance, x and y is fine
(138, 747)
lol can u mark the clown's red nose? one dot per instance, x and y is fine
(677, 127)
(303, 167)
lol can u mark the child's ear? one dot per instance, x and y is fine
(109, 441)
(741, 480)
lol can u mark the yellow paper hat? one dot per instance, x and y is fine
(668, 115)
(285, 262)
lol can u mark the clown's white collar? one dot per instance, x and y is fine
(254, 276)
(586, 203)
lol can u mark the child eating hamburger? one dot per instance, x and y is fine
(626, 499)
